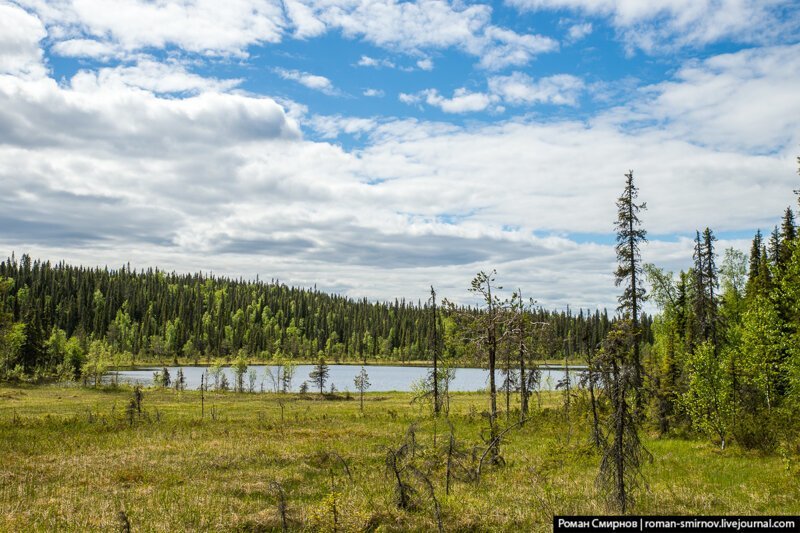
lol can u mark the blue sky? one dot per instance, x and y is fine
(376, 147)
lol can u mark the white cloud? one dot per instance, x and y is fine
(312, 81)
(425, 64)
(367, 61)
(200, 27)
(515, 89)
(744, 101)
(94, 28)
(577, 32)
(20, 34)
(169, 77)
(462, 101)
(122, 120)
(663, 24)
(519, 88)
(330, 127)
(302, 17)
(374, 93)
(86, 48)
(409, 98)
(507, 48)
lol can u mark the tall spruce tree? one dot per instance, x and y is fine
(712, 282)
(788, 235)
(755, 264)
(630, 237)
(620, 467)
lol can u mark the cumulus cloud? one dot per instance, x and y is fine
(20, 34)
(90, 115)
(507, 48)
(312, 81)
(425, 64)
(515, 89)
(134, 25)
(746, 101)
(577, 32)
(91, 48)
(159, 77)
(373, 93)
(519, 88)
(664, 24)
(462, 101)
(367, 61)
(93, 28)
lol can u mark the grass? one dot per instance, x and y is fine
(71, 460)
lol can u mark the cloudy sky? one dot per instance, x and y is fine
(376, 147)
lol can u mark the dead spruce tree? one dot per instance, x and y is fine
(521, 330)
(437, 404)
(280, 495)
(484, 329)
(623, 452)
(620, 467)
(330, 460)
(457, 467)
(397, 464)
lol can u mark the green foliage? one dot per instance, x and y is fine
(98, 360)
(708, 399)
(157, 317)
(361, 381)
(319, 375)
(239, 370)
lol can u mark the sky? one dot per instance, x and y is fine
(374, 148)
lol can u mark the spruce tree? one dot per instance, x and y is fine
(712, 282)
(362, 383)
(319, 375)
(755, 263)
(788, 236)
(630, 237)
(620, 362)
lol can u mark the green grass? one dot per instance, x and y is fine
(70, 460)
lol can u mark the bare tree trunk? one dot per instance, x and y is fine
(595, 418)
(492, 358)
(435, 357)
(508, 384)
(523, 385)
(619, 452)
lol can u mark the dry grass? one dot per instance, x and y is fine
(71, 461)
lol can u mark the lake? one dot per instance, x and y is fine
(382, 378)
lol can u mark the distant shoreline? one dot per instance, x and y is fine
(548, 364)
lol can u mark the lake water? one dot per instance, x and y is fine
(381, 378)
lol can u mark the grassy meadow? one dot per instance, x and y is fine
(78, 459)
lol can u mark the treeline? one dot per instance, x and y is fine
(61, 316)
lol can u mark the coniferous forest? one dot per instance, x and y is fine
(56, 311)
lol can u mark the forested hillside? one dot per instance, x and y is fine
(53, 313)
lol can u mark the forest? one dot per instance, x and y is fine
(58, 311)
(708, 386)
